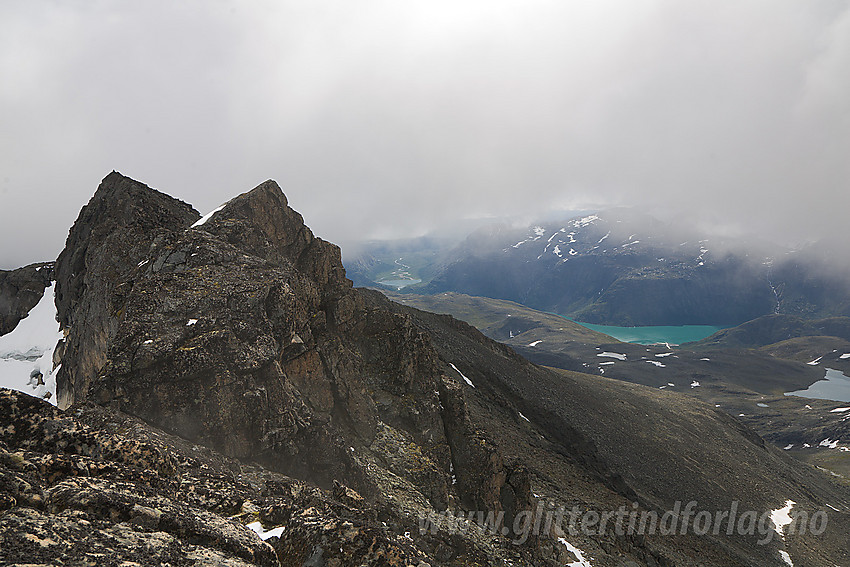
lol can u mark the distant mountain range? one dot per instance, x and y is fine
(620, 267)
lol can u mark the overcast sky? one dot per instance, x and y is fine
(382, 118)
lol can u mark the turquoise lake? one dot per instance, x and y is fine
(674, 335)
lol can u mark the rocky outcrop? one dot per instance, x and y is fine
(243, 334)
(112, 234)
(72, 488)
(20, 291)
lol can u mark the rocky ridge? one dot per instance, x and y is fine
(237, 340)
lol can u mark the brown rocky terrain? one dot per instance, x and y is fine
(226, 372)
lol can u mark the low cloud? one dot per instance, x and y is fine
(389, 118)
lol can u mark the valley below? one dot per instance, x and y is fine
(756, 385)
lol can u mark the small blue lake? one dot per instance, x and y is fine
(834, 386)
(672, 334)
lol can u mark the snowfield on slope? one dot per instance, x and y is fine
(26, 353)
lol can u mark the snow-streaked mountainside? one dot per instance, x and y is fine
(607, 234)
(26, 353)
(621, 267)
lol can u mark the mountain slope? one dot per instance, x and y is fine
(774, 328)
(650, 446)
(241, 333)
(749, 384)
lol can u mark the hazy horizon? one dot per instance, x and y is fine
(387, 119)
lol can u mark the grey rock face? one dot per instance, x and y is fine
(20, 291)
(112, 234)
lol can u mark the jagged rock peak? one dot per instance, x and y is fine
(118, 193)
(111, 235)
(261, 223)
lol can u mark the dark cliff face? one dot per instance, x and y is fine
(20, 291)
(112, 234)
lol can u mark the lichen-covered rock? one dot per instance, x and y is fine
(91, 486)
(111, 236)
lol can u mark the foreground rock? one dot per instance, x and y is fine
(72, 489)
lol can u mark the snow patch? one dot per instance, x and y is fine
(523, 417)
(584, 221)
(582, 562)
(788, 446)
(465, 379)
(761, 405)
(264, 534)
(846, 355)
(786, 558)
(837, 410)
(616, 355)
(534, 344)
(694, 384)
(206, 217)
(663, 354)
(26, 353)
(828, 443)
(656, 363)
(191, 322)
(815, 361)
(781, 517)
